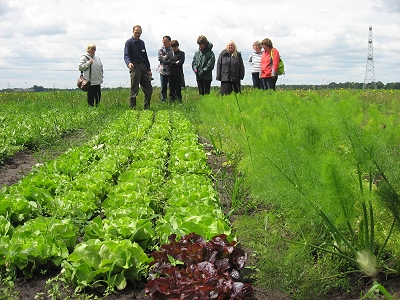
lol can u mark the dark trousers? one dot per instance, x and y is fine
(228, 86)
(257, 83)
(140, 75)
(204, 86)
(94, 95)
(175, 87)
(269, 83)
(164, 80)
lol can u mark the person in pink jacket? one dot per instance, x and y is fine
(269, 65)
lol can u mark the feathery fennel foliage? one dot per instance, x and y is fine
(320, 159)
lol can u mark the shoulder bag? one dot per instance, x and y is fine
(83, 83)
(281, 65)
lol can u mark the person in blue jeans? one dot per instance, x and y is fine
(269, 65)
(163, 68)
(255, 62)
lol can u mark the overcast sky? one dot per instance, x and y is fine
(320, 42)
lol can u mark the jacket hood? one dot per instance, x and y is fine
(225, 52)
(209, 46)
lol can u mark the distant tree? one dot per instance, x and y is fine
(369, 86)
(38, 88)
(393, 86)
(333, 85)
(380, 85)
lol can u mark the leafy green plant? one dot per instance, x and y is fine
(202, 219)
(216, 148)
(361, 254)
(53, 290)
(360, 244)
(191, 206)
(105, 265)
(7, 291)
(6, 229)
(355, 244)
(41, 241)
(136, 230)
(375, 290)
(190, 158)
(16, 208)
(341, 177)
(40, 120)
(195, 269)
(236, 192)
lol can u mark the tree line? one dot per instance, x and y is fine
(344, 85)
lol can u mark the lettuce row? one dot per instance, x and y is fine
(191, 203)
(128, 212)
(142, 179)
(59, 189)
(40, 241)
(102, 264)
(22, 127)
(74, 170)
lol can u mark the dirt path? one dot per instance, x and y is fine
(16, 167)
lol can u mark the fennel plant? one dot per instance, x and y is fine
(358, 245)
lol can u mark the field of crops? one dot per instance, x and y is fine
(311, 193)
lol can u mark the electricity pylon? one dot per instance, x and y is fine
(369, 79)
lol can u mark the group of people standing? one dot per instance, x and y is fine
(171, 60)
(264, 61)
(230, 68)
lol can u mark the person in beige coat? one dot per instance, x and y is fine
(92, 69)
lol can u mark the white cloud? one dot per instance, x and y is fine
(41, 41)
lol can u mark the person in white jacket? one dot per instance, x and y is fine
(255, 62)
(92, 69)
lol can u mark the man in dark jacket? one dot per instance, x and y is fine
(203, 64)
(230, 69)
(136, 59)
(175, 60)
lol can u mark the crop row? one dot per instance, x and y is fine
(121, 195)
(28, 122)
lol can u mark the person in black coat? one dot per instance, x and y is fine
(175, 60)
(230, 69)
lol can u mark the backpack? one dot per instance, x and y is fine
(281, 65)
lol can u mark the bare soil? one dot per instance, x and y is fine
(16, 167)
